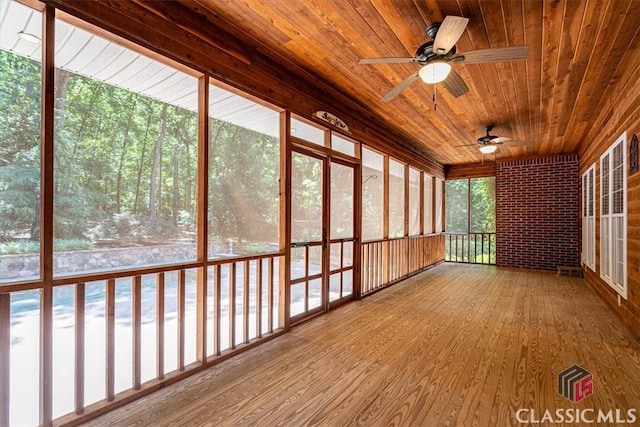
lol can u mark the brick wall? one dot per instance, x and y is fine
(537, 212)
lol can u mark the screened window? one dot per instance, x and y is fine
(457, 206)
(471, 205)
(308, 132)
(428, 204)
(343, 145)
(396, 199)
(125, 156)
(482, 209)
(414, 202)
(244, 153)
(588, 218)
(372, 195)
(19, 142)
(613, 220)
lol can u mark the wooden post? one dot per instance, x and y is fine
(385, 223)
(357, 227)
(326, 232)
(421, 203)
(405, 241)
(259, 297)
(181, 317)
(246, 273)
(285, 222)
(232, 305)
(270, 298)
(46, 208)
(434, 181)
(79, 348)
(5, 360)
(202, 240)
(217, 309)
(136, 311)
(110, 302)
(160, 326)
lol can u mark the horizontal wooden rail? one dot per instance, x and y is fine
(17, 286)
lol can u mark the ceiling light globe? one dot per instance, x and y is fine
(435, 72)
(488, 149)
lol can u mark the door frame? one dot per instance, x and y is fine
(327, 156)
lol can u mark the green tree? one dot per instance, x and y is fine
(19, 147)
(483, 204)
(243, 183)
(457, 206)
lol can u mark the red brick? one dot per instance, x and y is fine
(537, 212)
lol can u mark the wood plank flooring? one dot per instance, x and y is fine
(458, 345)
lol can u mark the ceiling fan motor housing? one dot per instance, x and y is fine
(425, 53)
(486, 140)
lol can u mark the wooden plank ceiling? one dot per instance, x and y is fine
(578, 51)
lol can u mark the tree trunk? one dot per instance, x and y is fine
(155, 166)
(60, 93)
(136, 210)
(125, 143)
(176, 189)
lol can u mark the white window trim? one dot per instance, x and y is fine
(619, 286)
(589, 220)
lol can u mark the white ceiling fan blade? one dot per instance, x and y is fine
(401, 86)
(448, 34)
(498, 54)
(387, 61)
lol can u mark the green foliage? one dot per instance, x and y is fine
(19, 247)
(457, 206)
(109, 145)
(187, 220)
(30, 246)
(19, 145)
(243, 183)
(483, 204)
(60, 245)
(481, 215)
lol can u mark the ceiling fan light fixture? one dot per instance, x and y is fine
(435, 72)
(488, 149)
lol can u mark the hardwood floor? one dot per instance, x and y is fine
(458, 345)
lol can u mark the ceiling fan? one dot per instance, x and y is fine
(437, 56)
(489, 143)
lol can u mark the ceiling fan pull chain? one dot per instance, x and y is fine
(435, 105)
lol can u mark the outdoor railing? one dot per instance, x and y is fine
(114, 336)
(387, 261)
(119, 335)
(473, 248)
